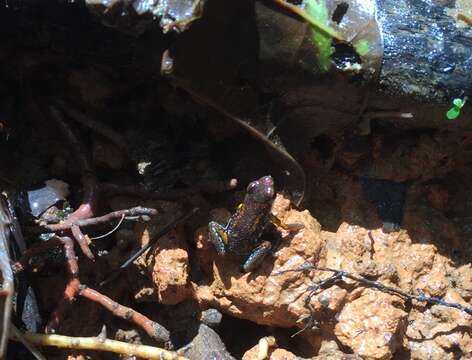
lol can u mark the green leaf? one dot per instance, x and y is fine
(319, 11)
(362, 47)
(458, 102)
(453, 113)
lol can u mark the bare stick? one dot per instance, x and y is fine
(100, 344)
(152, 328)
(339, 274)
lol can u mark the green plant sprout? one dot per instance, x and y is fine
(455, 111)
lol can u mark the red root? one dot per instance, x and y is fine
(72, 288)
(63, 226)
(152, 328)
(83, 241)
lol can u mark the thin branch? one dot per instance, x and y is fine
(465, 18)
(339, 274)
(100, 344)
(295, 168)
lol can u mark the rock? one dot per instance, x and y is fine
(273, 354)
(372, 325)
(137, 16)
(329, 350)
(434, 333)
(207, 345)
(166, 265)
(264, 296)
(169, 268)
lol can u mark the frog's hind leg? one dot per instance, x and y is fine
(218, 236)
(256, 257)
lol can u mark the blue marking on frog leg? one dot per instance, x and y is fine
(256, 257)
(215, 235)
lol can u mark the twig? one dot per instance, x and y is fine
(339, 274)
(465, 18)
(152, 328)
(312, 21)
(299, 172)
(173, 194)
(99, 344)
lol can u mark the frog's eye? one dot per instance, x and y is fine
(251, 188)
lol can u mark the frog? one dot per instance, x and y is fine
(242, 233)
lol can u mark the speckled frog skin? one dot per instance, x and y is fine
(241, 235)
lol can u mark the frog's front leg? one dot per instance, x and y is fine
(218, 236)
(256, 257)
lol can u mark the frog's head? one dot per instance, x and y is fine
(261, 190)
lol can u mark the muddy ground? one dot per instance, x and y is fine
(390, 204)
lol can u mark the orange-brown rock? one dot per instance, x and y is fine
(434, 333)
(329, 350)
(266, 296)
(372, 325)
(273, 354)
(166, 264)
